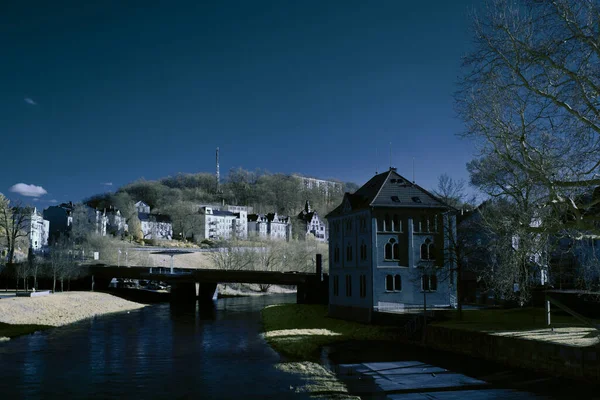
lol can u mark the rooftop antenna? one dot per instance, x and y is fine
(390, 155)
(376, 160)
(413, 170)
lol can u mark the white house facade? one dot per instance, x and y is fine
(387, 249)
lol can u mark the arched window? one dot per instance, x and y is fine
(397, 282)
(389, 249)
(389, 282)
(396, 222)
(428, 250)
(388, 223)
(396, 251)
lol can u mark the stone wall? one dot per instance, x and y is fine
(551, 358)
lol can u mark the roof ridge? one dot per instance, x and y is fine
(381, 187)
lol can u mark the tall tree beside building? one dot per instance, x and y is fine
(529, 97)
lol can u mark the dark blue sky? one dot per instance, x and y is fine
(111, 91)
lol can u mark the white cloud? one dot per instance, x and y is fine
(106, 183)
(28, 190)
(30, 101)
(53, 201)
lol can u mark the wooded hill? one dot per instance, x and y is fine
(179, 196)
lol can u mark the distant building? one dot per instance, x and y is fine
(387, 249)
(117, 224)
(38, 230)
(154, 226)
(270, 226)
(222, 224)
(312, 224)
(326, 186)
(60, 218)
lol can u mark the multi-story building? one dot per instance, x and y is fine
(326, 186)
(312, 224)
(117, 224)
(222, 224)
(270, 226)
(60, 218)
(38, 230)
(387, 248)
(154, 226)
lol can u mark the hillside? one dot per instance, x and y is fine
(179, 196)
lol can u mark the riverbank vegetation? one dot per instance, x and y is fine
(299, 331)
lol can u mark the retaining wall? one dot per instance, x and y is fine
(552, 358)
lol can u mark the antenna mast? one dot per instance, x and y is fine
(390, 155)
(376, 160)
(413, 170)
(218, 173)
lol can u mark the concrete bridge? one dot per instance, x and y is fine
(311, 287)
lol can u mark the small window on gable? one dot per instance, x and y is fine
(396, 199)
(416, 199)
(393, 180)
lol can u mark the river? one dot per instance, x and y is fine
(160, 352)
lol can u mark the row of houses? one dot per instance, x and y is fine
(216, 223)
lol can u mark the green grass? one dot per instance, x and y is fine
(8, 330)
(500, 320)
(307, 347)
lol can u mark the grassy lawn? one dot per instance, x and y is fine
(8, 330)
(512, 319)
(298, 331)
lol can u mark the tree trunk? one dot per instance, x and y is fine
(54, 283)
(459, 292)
(62, 285)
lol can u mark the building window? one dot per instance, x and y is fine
(388, 223)
(397, 227)
(336, 285)
(389, 283)
(349, 253)
(416, 225)
(336, 254)
(397, 283)
(348, 285)
(363, 286)
(392, 250)
(380, 225)
(363, 251)
(428, 250)
(429, 283)
(393, 283)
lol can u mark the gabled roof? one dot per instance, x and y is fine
(388, 189)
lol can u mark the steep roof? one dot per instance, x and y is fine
(388, 189)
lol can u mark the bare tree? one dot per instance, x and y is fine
(450, 191)
(230, 256)
(13, 224)
(529, 97)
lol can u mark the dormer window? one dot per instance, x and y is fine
(416, 199)
(395, 199)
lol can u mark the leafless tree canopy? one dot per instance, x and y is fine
(529, 96)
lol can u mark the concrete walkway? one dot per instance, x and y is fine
(408, 380)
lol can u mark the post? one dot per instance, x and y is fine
(93, 283)
(319, 268)
(548, 312)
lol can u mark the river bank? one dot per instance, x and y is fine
(57, 309)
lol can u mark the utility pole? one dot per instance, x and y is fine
(218, 173)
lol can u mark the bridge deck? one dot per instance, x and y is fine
(198, 275)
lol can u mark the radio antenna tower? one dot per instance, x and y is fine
(218, 173)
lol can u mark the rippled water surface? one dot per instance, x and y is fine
(156, 352)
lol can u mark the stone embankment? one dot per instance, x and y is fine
(61, 308)
(578, 362)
